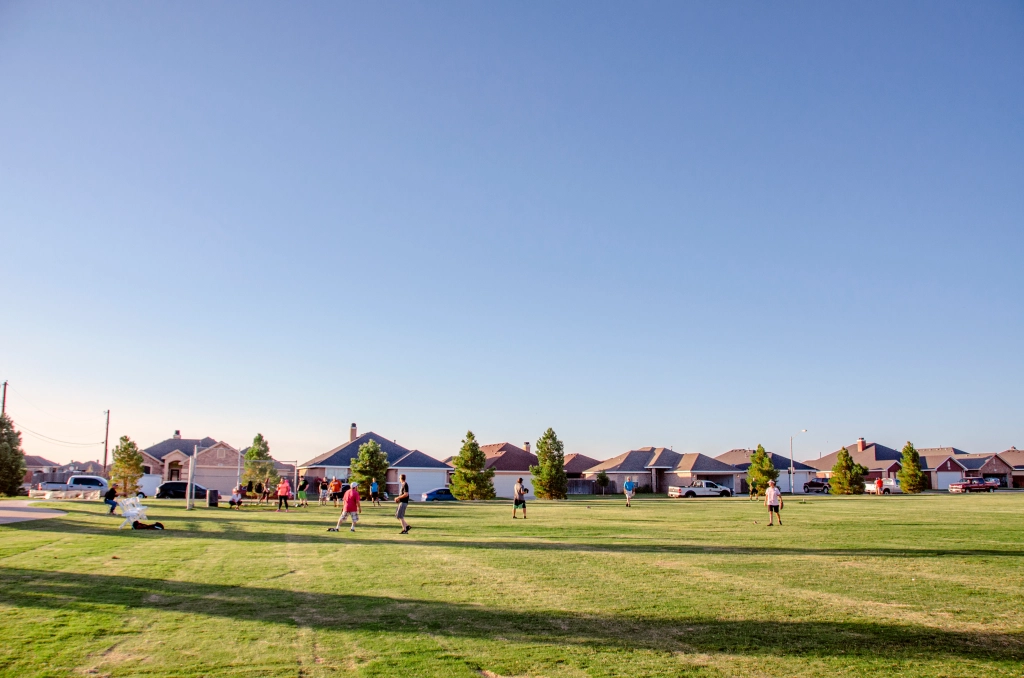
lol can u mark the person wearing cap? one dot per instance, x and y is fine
(350, 507)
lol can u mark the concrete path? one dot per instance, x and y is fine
(19, 510)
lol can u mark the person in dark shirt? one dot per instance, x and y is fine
(302, 499)
(108, 498)
(403, 502)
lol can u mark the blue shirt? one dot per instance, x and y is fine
(373, 487)
(629, 486)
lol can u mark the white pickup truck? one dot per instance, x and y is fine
(81, 483)
(700, 488)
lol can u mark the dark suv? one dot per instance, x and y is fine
(175, 489)
(817, 485)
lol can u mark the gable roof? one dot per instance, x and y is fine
(933, 451)
(398, 456)
(184, 445)
(740, 458)
(931, 462)
(873, 457)
(634, 461)
(1014, 458)
(974, 462)
(417, 459)
(641, 461)
(702, 463)
(578, 463)
(663, 457)
(508, 457)
(32, 461)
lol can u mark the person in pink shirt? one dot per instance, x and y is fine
(284, 489)
(350, 506)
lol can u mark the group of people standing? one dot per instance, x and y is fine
(263, 489)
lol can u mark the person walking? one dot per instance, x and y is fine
(374, 492)
(629, 489)
(773, 501)
(283, 490)
(109, 498)
(403, 502)
(351, 505)
(335, 490)
(519, 493)
(301, 499)
(878, 486)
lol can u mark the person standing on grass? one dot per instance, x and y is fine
(403, 502)
(302, 500)
(257, 492)
(519, 493)
(335, 490)
(773, 500)
(374, 492)
(629, 489)
(323, 484)
(283, 490)
(109, 498)
(265, 497)
(878, 486)
(351, 507)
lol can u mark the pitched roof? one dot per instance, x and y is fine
(740, 458)
(578, 463)
(1014, 458)
(32, 461)
(508, 457)
(702, 463)
(933, 451)
(398, 456)
(931, 462)
(634, 461)
(663, 457)
(183, 445)
(640, 461)
(872, 458)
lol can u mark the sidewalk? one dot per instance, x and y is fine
(20, 511)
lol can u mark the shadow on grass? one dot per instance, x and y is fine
(41, 589)
(315, 533)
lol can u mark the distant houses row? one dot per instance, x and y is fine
(653, 468)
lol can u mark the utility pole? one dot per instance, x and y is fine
(106, 440)
(3, 408)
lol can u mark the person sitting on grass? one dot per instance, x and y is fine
(351, 503)
(108, 498)
(236, 498)
(773, 500)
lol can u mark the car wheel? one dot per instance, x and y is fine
(725, 493)
(885, 491)
(690, 495)
(141, 495)
(805, 489)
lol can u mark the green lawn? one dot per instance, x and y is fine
(930, 585)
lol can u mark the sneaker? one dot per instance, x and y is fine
(407, 529)
(332, 529)
(351, 529)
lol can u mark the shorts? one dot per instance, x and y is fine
(400, 511)
(351, 514)
(630, 493)
(773, 508)
(335, 496)
(375, 496)
(519, 504)
(302, 495)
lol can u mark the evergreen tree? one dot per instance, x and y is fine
(259, 465)
(847, 476)
(760, 471)
(12, 458)
(602, 480)
(126, 469)
(911, 479)
(371, 463)
(472, 478)
(549, 481)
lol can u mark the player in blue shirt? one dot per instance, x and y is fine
(374, 493)
(629, 489)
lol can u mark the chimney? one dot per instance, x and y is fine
(860, 444)
(352, 434)
(177, 435)
(526, 446)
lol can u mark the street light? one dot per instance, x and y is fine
(792, 489)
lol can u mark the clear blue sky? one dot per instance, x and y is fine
(704, 225)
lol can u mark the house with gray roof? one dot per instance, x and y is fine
(423, 472)
(659, 467)
(879, 460)
(740, 458)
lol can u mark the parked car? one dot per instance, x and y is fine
(440, 494)
(700, 488)
(970, 485)
(993, 483)
(889, 486)
(817, 485)
(84, 483)
(176, 489)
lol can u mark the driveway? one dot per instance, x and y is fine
(19, 511)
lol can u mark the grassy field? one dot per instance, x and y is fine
(917, 586)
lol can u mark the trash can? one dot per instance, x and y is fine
(212, 496)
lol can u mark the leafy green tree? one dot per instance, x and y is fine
(760, 471)
(911, 479)
(549, 481)
(127, 467)
(602, 480)
(847, 476)
(472, 479)
(259, 465)
(12, 458)
(372, 462)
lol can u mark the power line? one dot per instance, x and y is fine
(53, 440)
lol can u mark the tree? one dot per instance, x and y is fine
(259, 465)
(602, 480)
(472, 478)
(911, 479)
(12, 458)
(847, 476)
(549, 481)
(760, 471)
(371, 463)
(126, 469)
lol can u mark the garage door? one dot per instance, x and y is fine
(944, 478)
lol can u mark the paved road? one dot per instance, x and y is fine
(19, 510)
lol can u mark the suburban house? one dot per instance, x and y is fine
(740, 458)
(422, 472)
(1015, 458)
(217, 463)
(879, 460)
(36, 467)
(509, 463)
(941, 466)
(987, 465)
(577, 464)
(658, 468)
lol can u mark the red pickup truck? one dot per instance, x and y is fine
(972, 485)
